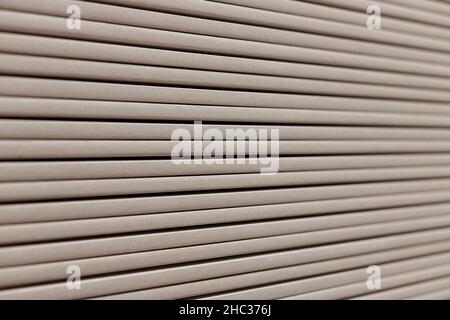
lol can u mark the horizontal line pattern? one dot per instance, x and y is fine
(87, 118)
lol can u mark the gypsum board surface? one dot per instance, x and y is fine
(96, 130)
(85, 50)
(68, 250)
(15, 171)
(311, 10)
(79, 149)
(390, 10)
(334, 38)
(408, 114)
(327, 264)
(234, 215)
(392, 193)
(437, 295)
(57, 190)
(39, 232)
(67, 89)
(252, 279)
(63, 109)
(231, 255)
(388, 281)
(115, 263)
(96, 31)
(434, 6)
(193, 8)
(358, 278)
(141, 280)
(18, 65)
(409, 290)
(267, 18)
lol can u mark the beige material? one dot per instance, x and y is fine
(39, 232)
(423, 242)
(315, 31)
(66, 149)
(409, 291)
(199, 288)
(267, 109)
(139, 280)
(102, 71)
(302, 8)
(332, 199)
(94, 130)
(102, 169)
(391, 281)
(54, 26)
(49, 88)
(187, 8)
(435, 6)
(391, 10)
(301, 23)
(91, 112)
(402, 272)
(85, 50)
(437, 295)
(66, 250)
(54, 190)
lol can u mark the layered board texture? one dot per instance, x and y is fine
(347, 102)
